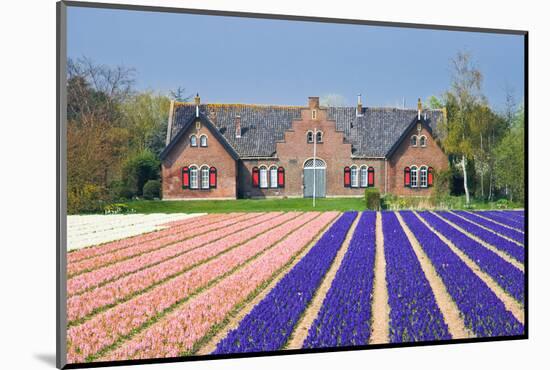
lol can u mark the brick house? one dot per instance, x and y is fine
(228, 151)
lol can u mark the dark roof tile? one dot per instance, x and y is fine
(373, 134)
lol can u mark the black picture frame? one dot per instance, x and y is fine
(61, 187)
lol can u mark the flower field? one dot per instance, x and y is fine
(250, 282)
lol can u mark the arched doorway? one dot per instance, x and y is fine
(315, 173)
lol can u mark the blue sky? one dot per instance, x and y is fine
(243, 60)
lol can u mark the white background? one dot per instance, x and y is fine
(27, 182)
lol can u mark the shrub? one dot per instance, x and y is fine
(502, 204)
(151, 189)
(139, 169)
(117, 208)
(442, 184)
(120, 191)
(87, 198)
(372, 198)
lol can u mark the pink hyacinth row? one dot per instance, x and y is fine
(105, 328)
(82, 282)
(179, 330)
(84, 304)
(144, 246)
(82, 254)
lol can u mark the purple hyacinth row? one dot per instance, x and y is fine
(344, 318)
(515, 215)
(269, 325)
(414, 314)
(506, 219)
(502, 230)
(498, 242)
(483, 312)
(505, 274)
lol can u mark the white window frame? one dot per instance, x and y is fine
(205, 181)
(364, 176)
(424, 176)
(205, 138)
(193, 177)
(193, 140)
(264, 181)
(354, 177)
(423, 141)
(319, 137)
(415, 138)
(308, 135)
(273, 177)
(414, 177)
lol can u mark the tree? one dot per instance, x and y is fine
(145, 116)
(139, 169)
(509, 159)
(179, 95)
(461, 101)
(95, 91)
(97, 141)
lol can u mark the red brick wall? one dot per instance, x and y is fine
(235, 179)
(294, 150)
(213, 155)
(407, 155)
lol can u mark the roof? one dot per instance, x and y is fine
(376, 133)
(211, 127)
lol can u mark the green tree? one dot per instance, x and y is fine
(139, 169)
(509, 159)
(145, 116)
(462, 101)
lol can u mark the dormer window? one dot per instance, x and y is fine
(414, 141)
(193, 140)
(204, 141)
(314, 114)
(319, 136)
(310, 137)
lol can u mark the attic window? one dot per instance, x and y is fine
(314, 114)
(193, 140)
(319, 136)
(422, 141)
(310, 137)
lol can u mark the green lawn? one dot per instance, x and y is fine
(301, 204)
(246, 205)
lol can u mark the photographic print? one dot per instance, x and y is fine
(250, 185)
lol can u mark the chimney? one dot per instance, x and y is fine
(419, 108)
(170, 122)
(359, 111)
(237, 126)
(197, 103)
(313, 102)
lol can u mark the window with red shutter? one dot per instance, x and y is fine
(371, 176)
(213, 177)
(185, 177)
(347, 177)
(281, 177)
(430, 176)
(407, 176)
(255, 177)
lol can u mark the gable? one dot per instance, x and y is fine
(188, 125)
